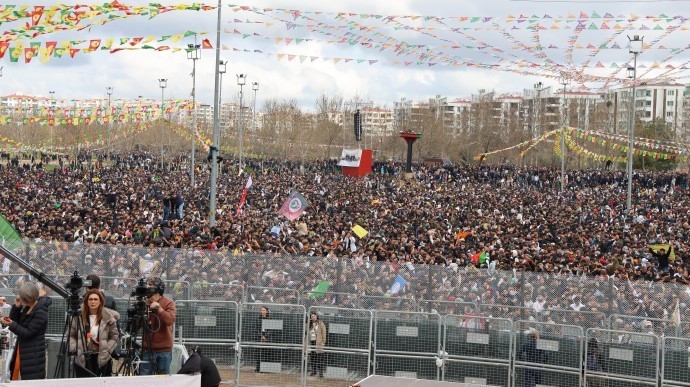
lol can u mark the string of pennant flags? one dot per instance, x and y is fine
(658, 149)
(482, 42)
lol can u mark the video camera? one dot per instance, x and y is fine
(76, 282)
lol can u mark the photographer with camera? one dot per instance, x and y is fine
(100, 335)
(29, 321)
(157, 340)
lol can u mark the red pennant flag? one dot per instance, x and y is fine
(135, 41)
(206, 44)
(36, 14)
(50, 48)
(94, 44)
(29, 53)
(73, 52)
(3, 48)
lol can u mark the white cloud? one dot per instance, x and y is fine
(135, 73)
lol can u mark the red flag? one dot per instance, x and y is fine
(244, 196)
(206, 44)
(36, 14)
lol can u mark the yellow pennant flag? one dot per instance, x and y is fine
(656, 248)
(359, 231)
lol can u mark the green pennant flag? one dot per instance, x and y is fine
(320, 290)
(9, 237)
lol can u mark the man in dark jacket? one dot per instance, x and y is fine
(529, 353)
(29, 321)
(210, 377)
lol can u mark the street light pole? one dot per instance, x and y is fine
(564, 121)
(163, 83)
(636, 44)
(193, 53)
(52, 115)
(216, 127)
(109, 91)
(537, 116)
(222, 69)
(241, 80)
(255, 87)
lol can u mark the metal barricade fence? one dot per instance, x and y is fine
(334, 299)
(216, 291)
(448, 307)
(547, 354)
(347, 353)
(255, 294)
(406, 344)
(675, 362)
(271, 344)
(584, 319)
(615, 362)
(213, 326)
(476, 350)
(511, 312)
(653, 326)
(178, 289)
(388, 303)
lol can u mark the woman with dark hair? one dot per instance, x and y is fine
(29, 321)
(316, 335)
(100, 334)
(263, 335)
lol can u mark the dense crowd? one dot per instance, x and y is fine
(445, 218)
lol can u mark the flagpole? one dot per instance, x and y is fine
(216, 127)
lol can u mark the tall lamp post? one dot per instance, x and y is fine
(636, 44)
(216, 128)
(163, 83)
(193, 53)
(564, 121)
(537, 115)
(109, 91)
(255, 87)
(222, 69)
(52, 115)
(241, 80)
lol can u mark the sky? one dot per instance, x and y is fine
(416, 49)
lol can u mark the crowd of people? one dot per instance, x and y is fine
(496, 218)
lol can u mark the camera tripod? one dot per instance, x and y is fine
(67, 366)
(137, 328)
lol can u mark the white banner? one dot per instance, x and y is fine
(159, 380)
(350, 158)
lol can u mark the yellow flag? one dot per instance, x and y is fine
(656, 248)
(359, 231)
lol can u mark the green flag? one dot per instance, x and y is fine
(9, 237)
(319, 290)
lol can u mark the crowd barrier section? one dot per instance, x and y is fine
(271, 348)
(347, 354)
(619, 358)
(580, 318)
(675, 362)
(254, 294)
(659, 327)
(547, 354)
(511, 312)
(179, 290)
(406, 344)
(335, 299)
(448, 307)
(210, 325)
(476, 350)
(387, 303)
(216, 291)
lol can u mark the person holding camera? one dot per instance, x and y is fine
(100, 335)
(158, 337)
(29, 321)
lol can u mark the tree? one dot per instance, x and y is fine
(328, 131)
(657, 129)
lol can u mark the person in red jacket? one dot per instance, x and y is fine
(158, 336)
